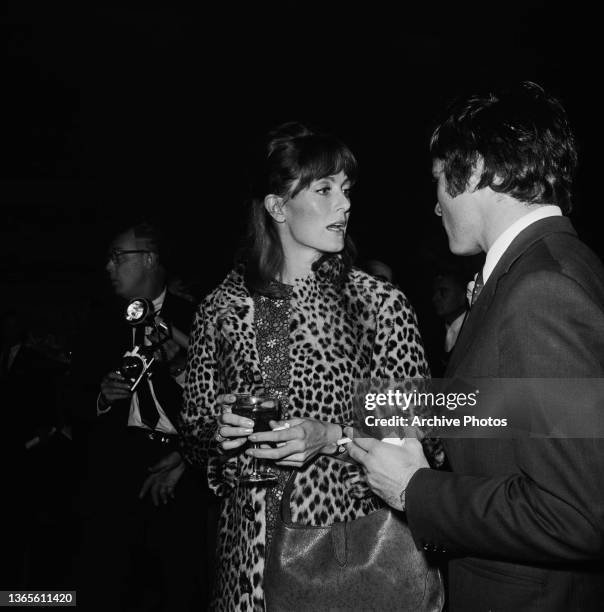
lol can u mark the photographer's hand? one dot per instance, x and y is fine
(114, 387)
(163, 478)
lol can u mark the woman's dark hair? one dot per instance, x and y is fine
(522, 135)
(292, 158)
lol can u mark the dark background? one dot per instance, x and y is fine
(112, 108)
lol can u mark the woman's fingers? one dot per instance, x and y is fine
(232, 444)
(280, 434)
(232, 425)
(233, 429)
(293, 447)
(226, 398)
(234, 432)
(235, 420)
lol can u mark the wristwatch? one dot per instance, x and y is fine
(340, 448)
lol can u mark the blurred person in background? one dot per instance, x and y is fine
(449, 298)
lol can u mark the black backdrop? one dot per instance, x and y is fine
(111, 109)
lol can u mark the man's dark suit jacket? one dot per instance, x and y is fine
(524, 518)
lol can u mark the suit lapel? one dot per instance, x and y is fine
(473, 322)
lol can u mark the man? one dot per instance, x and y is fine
(523, 518)
(450, 305)
(146, 512)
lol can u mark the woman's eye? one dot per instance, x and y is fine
(346, 193)
(323, 190)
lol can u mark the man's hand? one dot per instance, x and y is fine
(114, 387)
(163, 478)
(389, 468)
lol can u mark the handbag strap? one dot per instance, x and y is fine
(286, 513)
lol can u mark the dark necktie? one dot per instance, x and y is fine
(146, 403)
(478, 285)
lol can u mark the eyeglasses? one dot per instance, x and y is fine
(116, 256)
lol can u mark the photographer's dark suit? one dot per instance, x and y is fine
(126, 538)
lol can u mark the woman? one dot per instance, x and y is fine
(299, 321)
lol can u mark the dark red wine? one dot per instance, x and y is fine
(262, 416)
(249, 406)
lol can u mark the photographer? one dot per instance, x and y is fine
(144, 512)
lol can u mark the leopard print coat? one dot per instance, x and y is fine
(338, 335)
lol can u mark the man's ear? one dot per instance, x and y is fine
(477, 170)
(151, 260)
(274, 206)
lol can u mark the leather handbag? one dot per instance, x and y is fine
(371, 563)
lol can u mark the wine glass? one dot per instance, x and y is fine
(260, 408)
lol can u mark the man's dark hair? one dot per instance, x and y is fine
(522, 135)
(151, 235)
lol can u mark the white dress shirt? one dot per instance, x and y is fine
(500, 246)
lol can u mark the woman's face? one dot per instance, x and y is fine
(316, 218)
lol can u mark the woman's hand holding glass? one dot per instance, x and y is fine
(297, 441)
(233, 429)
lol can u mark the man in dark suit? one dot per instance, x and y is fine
(145, 512)
(522, 517)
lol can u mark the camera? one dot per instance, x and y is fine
(136, 363)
